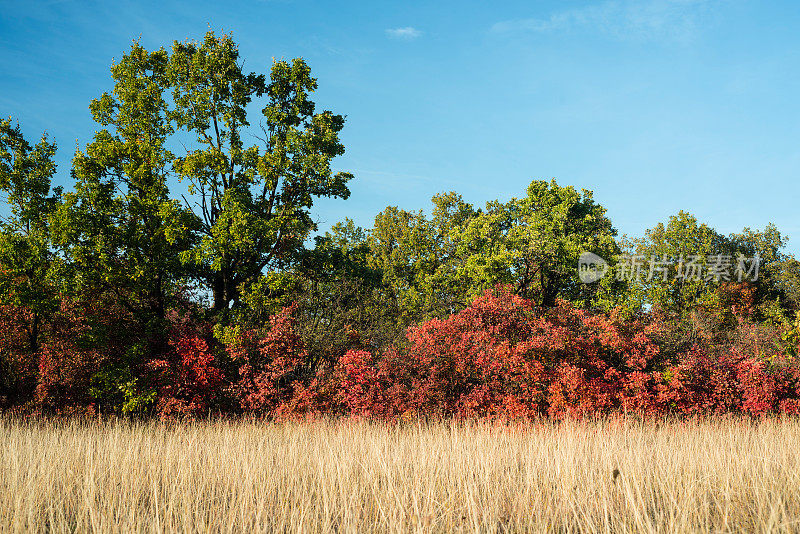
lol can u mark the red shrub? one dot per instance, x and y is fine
(640, 392)
(700, 383)
(370, 388)
(188, 377)
(65, 366)
(766, 387)
(501, 357)
(18, 365)
(271, 366)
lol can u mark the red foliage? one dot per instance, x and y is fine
(65, 366)
(18, 365)
(700, 383)
(271, 367)
(503, 357)
(373, 389)
(188, 375)
(188, 378)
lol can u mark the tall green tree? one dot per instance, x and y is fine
(680, 243)
(341, 305)
(435, 266)
(28, 265)
(534, 243)
(254, 199)
(684, 241)
(778, 275)
(119, 228)
(419, 258)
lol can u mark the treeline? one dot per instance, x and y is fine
(178, 277)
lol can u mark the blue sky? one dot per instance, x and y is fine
(655, 105)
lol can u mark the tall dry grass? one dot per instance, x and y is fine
(721, 475)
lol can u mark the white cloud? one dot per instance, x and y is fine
(643, 20)
(406, 33)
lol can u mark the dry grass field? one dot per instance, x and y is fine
(607, 476)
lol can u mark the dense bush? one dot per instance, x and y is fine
(504, 357)
(189, 377)
(17, 361)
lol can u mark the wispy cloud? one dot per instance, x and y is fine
(644, 20)
(406, 33)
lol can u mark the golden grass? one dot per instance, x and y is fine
(721, 475)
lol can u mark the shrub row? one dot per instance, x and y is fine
(502, 357)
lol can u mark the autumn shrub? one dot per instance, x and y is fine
(188, 377)
(504, 357)
(68, 360)
(501, 357)
(274, 371)
(17, 360)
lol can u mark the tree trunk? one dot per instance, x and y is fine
(224, 290)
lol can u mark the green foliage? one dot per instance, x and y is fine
(778, 275)
(119, 229)
(684, 238)
(534, 243)
(120, 237)
(681, 239)
(116, 389)
(254, 201)
(341, 302)
(404, 249)
(339, 299)
(28, 267)
(788, 280)
(791, 336)
(435, 267)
